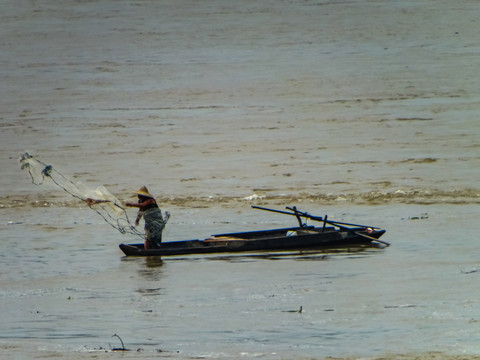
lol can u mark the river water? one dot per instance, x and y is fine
(362, 110)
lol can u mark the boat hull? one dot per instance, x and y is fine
(265, 240)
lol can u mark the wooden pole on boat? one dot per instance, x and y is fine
(319, 218)
(324, 223)
(273, 210)
(297, 215)
(341, 225)
(372, 239)
(308, 216)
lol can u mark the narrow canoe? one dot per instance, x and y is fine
(294, 238)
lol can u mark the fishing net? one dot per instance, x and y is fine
(99, 200)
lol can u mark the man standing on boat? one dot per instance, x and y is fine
(154, 221)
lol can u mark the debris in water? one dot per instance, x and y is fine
(470, 271)
(123, 346)
(295, 311)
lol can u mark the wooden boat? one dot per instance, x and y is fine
(336, 234)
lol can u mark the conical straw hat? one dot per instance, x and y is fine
(144, 192)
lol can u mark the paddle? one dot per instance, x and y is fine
(371, 238)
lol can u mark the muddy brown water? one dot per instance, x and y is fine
(362, 110)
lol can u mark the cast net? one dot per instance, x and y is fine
(99, 200)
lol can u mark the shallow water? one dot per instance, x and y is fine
(74, 290)
(364, 110)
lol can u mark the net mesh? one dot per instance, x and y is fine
(99, 200)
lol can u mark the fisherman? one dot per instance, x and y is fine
(154, 221)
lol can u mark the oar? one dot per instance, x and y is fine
(371, 238)
(272, 210)
(319, 218)
(311, 217)
(337, 223)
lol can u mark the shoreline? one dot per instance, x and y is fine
(412, 196)
(135, 352)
